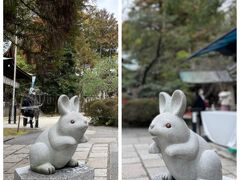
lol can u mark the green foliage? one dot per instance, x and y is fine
(41, 26)
(97, 36)
(62, 79)
(182, 54)
(140, 112)
(102, 112)
(130, 78)
(102, 28)
(59, 38)
(159, 35)
(22, 63)
(102, 78)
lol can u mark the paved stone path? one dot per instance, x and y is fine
(100, 152)
(138, 164)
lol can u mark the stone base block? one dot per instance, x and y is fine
(160, 177)
(82, 172)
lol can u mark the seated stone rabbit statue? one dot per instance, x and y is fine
(186, 154)
(55, 146)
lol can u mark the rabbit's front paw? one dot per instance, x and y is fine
(153, 149)
(84, 139)
(72, 141)
(72, 163)
(169, 152)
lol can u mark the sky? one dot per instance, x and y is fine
(127, 4)
(226, 5)
(110, 5)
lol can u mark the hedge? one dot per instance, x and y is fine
(102, 111)
(140, 112)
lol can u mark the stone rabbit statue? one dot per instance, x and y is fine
(55, 146)
(186, 154)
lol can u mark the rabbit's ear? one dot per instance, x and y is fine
(178, 103)
(164, 102)
(63, 104)
(74, 103)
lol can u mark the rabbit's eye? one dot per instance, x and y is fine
(72, 121)
(168, 125)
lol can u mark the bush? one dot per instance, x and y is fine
(140, 112)
(149, 90)
(102, 112)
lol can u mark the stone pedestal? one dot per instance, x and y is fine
(82, 172)
(159, 177)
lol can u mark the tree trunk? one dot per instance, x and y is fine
(154, 60)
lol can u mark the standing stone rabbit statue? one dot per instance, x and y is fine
(55, 146)
(186, 154)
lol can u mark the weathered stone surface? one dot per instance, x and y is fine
(54, 147)
(227, 178)
(160, 177)
(150, 164)
(97, 162)
(82, 172)
(101, 172)
(130, 160)
(133, 171)
(108, 163)
(186, 154)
